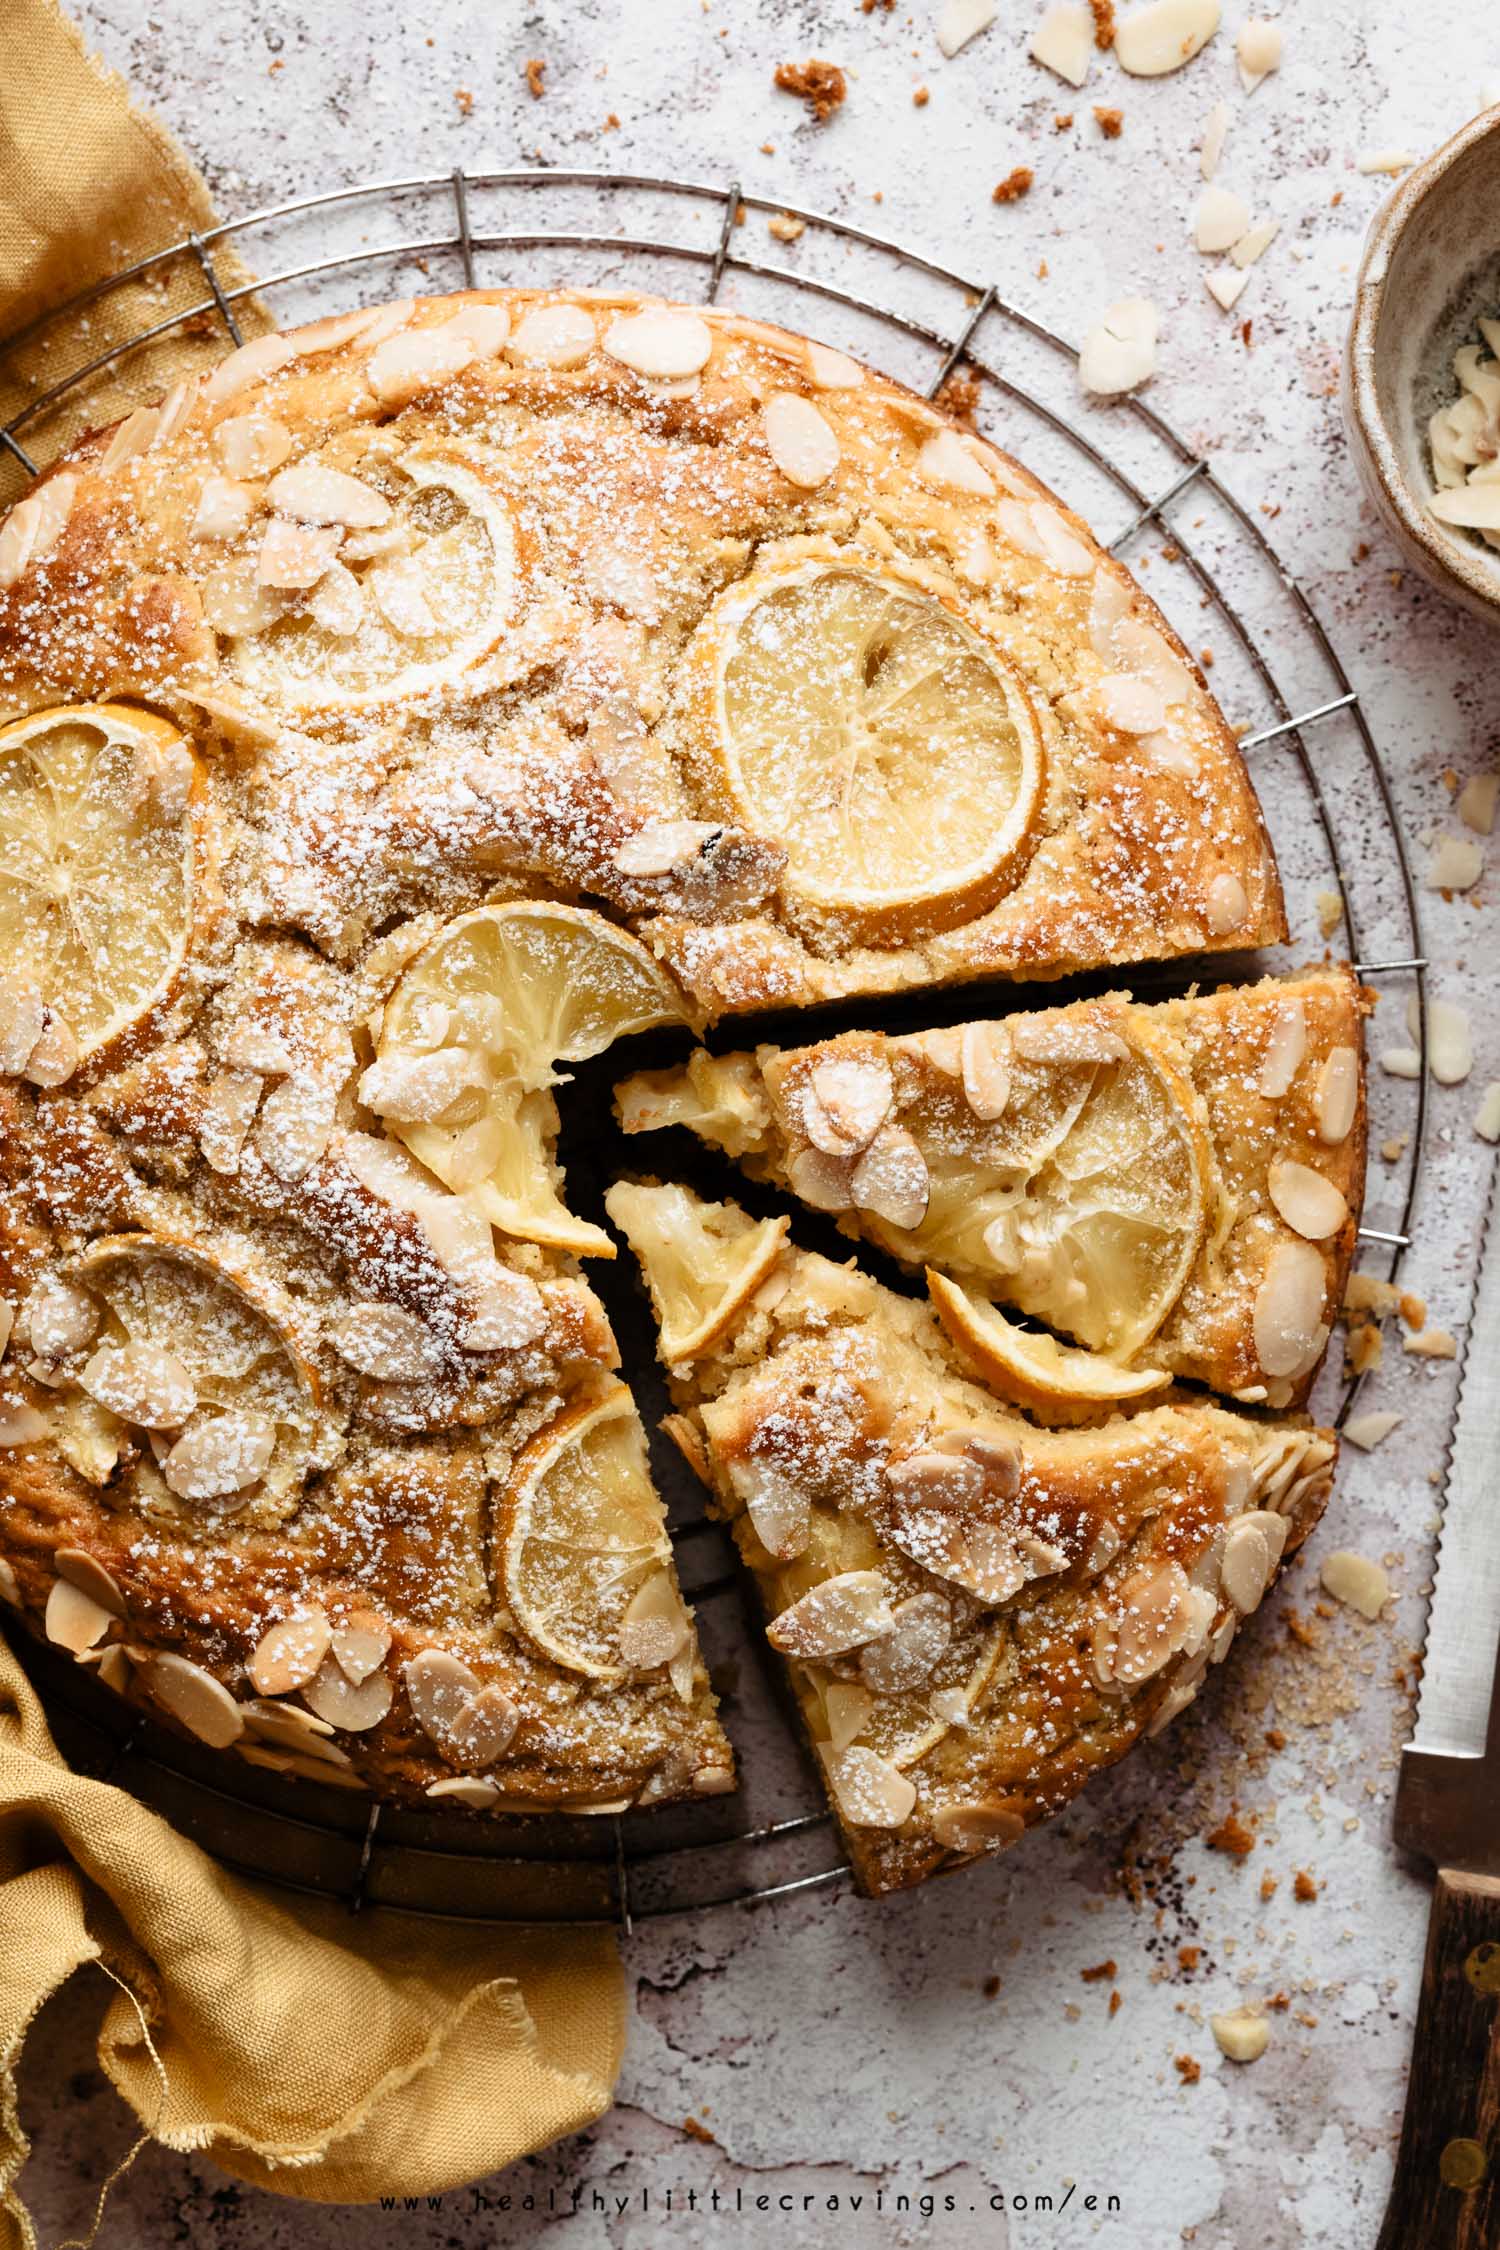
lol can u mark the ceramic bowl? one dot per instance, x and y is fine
(1431, 264)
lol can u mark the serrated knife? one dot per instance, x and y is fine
(1446, 2193)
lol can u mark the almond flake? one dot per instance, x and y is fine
(1064, 42)
(984, 1062)
(847, 1099)
(1356, 1581)
(1215, 132)
(80, 1569)
(1477, 800)
(224, 509)
(1120, 353)
(891, 1179)
(252, 363)
(220, 1455)
(1225, 905)
(312, 492)
(22, 1015)
(799, 440)
(945, 461)
(554, 336)
(194, 1697)
(984, 1826)
(1252, 1548)
(1151, 41)
(485, 326)
(346, 328)
(1226, 286)
(900, 1660)
(1387, 160)
(1431, 1343)
(1220, 220)
(1130, 702)
(1400, 1062)
(417, 360)
(1258, 50)
(130, 438)
(74, 1620)
(386, 1342)
(663, 845)
(20, 1424)
(141, 1383)
(870, 1792)
(252, 445)
(229, 1104)
(294, 555)
(1450, 1047)
(1366, 1431)
(1336, 1100)
(353, 1705)
(654, 1627)
(1063, 549)
(780, 1511)
(838, 1614)
(660, 343)
(1288, 1318)
(1285, 1048)
(828, 370)
(847, 1710)
(1309, 1203)
(1239, 2033)
(959, 21)
(59, 1318)
(360, 1643)
(1255, 243)
(54, 1058)
(235, 603)
(1487, 1116)
(286, 1657)
(469, 1789)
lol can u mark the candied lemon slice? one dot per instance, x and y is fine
(878, 736)
(580, 1532)
(254, 1396)
(1084, 1204)
(101, 851)
(702, 1261)
(407, 607)
(480, 1022)
(900, 1726)
(1035, 1370)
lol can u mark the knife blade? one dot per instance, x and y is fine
(1446, 2190)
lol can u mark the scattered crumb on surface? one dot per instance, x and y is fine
(1109, 121)
(990, 1987)
(1102, 1972)
(920, 97)
(785, 227)
(536, 71)
(1187, 2069)
(464, 97)
(1231, 1837)
(1015, 184)
(959, 395)
(820, 84)
(696, 2130)
(1103, 13)
(1305, 1887)
(1062, 121)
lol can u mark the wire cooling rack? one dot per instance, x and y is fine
(1155, 499)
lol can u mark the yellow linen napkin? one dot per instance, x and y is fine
(323, 2055)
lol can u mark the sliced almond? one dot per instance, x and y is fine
(1254, 244)
(366, 325)
(938, 1479)
(1225, 905)
(1477, 801)
(959, 21)
(419, 1088)
(1450, 1047)
(251, 363)
(847, 1709)
(921, 1631)
(1336, 1099)
(194, 1697)
(985, 1825)
(654, 1627)
(1064, 42)
(1310, 1204)
(286, 1657)
(20, 1424)
(295, 555)
(984, 1063)
(338, 602)
(1130, 701)
(141, 1383)
(1258, 49)
(485, 1727)
(663, 845)
(225, 508)
(840, 1613)
(115, 1668)
(230, 1101)
(360, 1644)
(1220, 219)
(944, 460)
(554, 336)
(386, 1342)
(22, 1014)
(1226, 287)
(660, 342)
(1288, 1317)
(828, 370)
(130, 439)
(1286, 1045)
(1253, 1547)
(294, 1126)
(821, 1179)
(418, 360)
(59, 1318)
(54, 1058)
(82, 1570)
(313, 492)
(800, 441)
(1487, 1116)
(1153, 40)
(779, 1509)
(469, 1789)
(1215, 132)
(235, 603)
(1239, 2033)
(74, 1620)
(847, 1100)
(356, 1706)
(870, 1792)
(891, 1179)
(286, 1723)
(252, 445)
(1366, 1431)
(1356, 1581)
(220, 1455)
(1154, 1622)
(440, 1687)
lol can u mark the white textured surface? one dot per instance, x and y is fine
(835, 2047)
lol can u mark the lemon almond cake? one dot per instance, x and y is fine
(394, 718)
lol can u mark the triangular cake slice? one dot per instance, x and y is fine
(1175, 1187)
(976, 1614)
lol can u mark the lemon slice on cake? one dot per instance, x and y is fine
(584, 1556)
(182, 1371)
(875, 733)
(471, 1042)
(1034, 1369)
(702, 1261)
(406, 605)
(101, 862)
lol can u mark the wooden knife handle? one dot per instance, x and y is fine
(1446, 2193)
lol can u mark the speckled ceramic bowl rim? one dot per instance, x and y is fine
(1452, 565)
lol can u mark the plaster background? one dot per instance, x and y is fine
(828, 2045)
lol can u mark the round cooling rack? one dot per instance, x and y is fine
(1154, 500)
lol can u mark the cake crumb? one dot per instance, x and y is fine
(1305, 1887)
(990, 1987)
(1109, 121)
(1268, 1886)
(1015, 184)
(1232, 1837)
(696, 2130)
(1187, 2069)
(464, 97)
(536, 71)
(785, 227)
(1063, 120)
(959, 395)
(819, 83)
(1115, 2001)
(1103, 13)
(920, 97)
(1101, 1972)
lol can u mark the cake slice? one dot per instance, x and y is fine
(975, 1614)
(1175, 1188)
